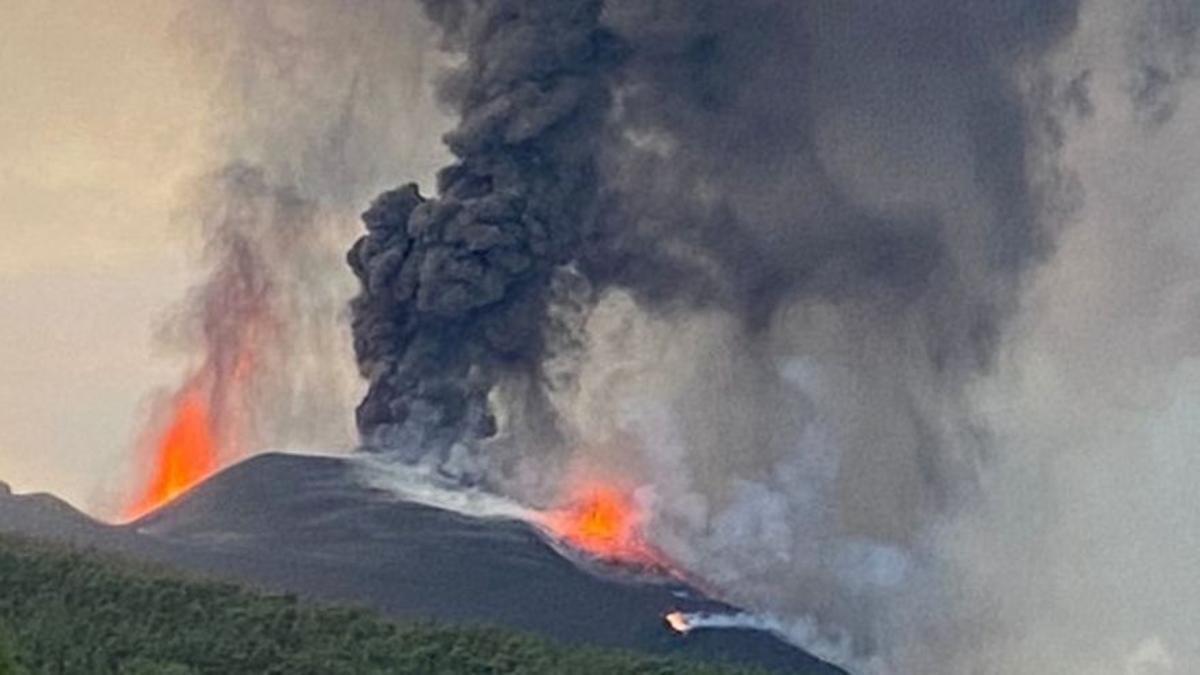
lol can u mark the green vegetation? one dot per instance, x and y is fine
(74, 612)
(8, 658)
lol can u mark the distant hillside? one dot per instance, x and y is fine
(74, 612)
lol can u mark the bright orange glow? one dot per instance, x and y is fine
(678, 622)
(603, 522)
(603, 517)
(209, 420)
(185, 455)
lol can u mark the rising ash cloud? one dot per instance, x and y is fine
(737, 156)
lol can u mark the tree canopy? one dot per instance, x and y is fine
(70, 611)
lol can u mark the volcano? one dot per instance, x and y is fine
(310, 526)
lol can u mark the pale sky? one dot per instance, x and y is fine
(98, 127)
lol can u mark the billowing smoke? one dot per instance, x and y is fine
(753, 161)
(456, 290)
(874, 300)
(1085, 531)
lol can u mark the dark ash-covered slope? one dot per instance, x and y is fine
(306, 525)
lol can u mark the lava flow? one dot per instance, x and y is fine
(678, 621)
(604, 523)
(184, 456)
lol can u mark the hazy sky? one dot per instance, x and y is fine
(112, 111)
(99, 125)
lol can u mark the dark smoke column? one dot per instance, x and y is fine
(454, 289)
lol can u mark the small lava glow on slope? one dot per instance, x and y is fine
(678, 622)
(184, 456)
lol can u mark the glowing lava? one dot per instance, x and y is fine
(603, 518)
(678, 622)
(605, 523)
(185, 455)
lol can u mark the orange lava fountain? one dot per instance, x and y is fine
(235, 325)
(184, 456)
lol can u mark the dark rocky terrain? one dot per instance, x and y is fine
(306, 525)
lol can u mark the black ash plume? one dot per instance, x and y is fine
(454, 289)
(704, 154)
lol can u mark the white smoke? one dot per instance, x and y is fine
(1088, 533)
(802, 630)
(426, 485)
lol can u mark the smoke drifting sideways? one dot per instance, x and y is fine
(846, 288)
(312, 106)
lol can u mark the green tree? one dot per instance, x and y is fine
(72, 611)
(8, 655)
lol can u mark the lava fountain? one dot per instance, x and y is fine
(202, 427)
(184, 455)
(234, 321)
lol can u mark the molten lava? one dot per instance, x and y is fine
(605, 523)
(185, 455)
(602, 518)
(678, 622)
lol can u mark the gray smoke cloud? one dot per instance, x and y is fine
(755, 160)
(1162, 51)
(455, 289)
(846, 288)
(704, 155)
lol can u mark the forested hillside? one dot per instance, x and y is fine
(67, 611)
